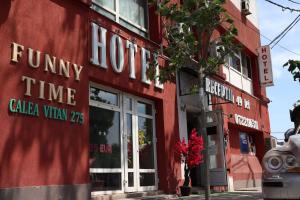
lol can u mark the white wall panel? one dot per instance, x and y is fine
(253, 9)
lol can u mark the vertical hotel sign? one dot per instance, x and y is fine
(265, 66)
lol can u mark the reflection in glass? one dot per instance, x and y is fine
(129, 141)
(134, 11)
(106, 3)
(145, 136)
(215, 148)
(246, 66)
(236, 62)
(130, 179)
(144, 108)
(128, 103)
(103, 96)
(105, 181)
(147, 179)
(105, 149)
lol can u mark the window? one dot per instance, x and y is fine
(247, 145)
(131, 14)
(238, 71)
(246, 66)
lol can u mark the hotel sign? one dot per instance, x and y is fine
(218, 89)
(265, 66)
(118, 49)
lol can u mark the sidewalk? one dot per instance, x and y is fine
(249, 194)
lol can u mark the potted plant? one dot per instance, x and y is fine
(191, 155)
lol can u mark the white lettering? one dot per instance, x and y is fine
(145, 65)
(216, 88)
(132, 50)
(96, 44)
(116, 45)
(16, 53)
(30, 58)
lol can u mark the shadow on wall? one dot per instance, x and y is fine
(5, 8)
(246, 171)
(169, 168)
(173, 170)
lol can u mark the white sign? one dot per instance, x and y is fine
(265, 66)
(239, 101)
(244, 121)
(215, 88)
(117, 54)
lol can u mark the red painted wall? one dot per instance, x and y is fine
(249, 37)
(245, 167)
(39, 151)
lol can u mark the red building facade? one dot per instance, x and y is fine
(78, 114)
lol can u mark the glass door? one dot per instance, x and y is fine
(122, 142)
(146, 146)
(139, 145)
(216, 149)
(130, 146)
(105, 140)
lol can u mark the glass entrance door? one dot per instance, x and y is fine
(216, 149)
(139, 146)
(122, 142)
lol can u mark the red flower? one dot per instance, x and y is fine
(190, 153)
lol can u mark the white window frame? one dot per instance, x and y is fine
(121, 109)
(117, 108)
(242, 76)
(117, 16)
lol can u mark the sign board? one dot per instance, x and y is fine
(265, 66)
(244, 121)
(218, 89)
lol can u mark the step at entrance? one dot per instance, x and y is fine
(131, 195)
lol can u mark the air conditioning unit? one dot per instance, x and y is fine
(245, 7)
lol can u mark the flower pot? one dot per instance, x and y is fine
(185, 190)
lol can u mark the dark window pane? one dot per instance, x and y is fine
(247, 66)
(105, 149)
(130, 179)
(145, 134)
(236, 63)
(127, 103)
(104, 96)
(147, 179)
(129, 141)
(105, 181)
(144, 108)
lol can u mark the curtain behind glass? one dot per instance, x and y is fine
(134, 11)
(107, 3)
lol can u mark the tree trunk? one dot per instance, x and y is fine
(202, 119)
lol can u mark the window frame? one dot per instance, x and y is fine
(240, 56)
(117, 16)
(135, 115)
(245, 82)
